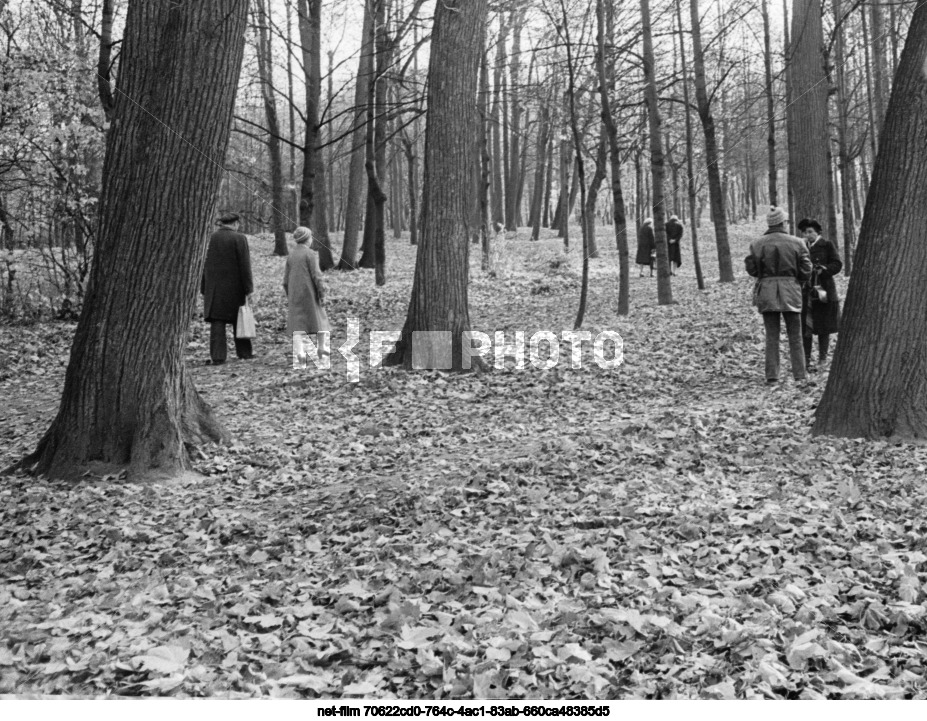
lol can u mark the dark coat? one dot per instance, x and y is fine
(226, 276)
(673, 236)
(645, 245)
(780, 262)
(825, 317)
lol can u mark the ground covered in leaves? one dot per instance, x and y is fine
(667, 529)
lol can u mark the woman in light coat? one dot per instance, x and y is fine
(302, 283)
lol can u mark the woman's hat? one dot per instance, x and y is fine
(302, 234)
(806, 223)
(227, 219)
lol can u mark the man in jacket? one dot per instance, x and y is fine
(226, 286)
(780, 263)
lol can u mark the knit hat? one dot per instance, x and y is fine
(648, 221)
(674, 217)
(775, 216)
(302, 234)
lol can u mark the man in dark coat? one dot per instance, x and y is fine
(646, 246)
(673, 236)
(780, 263)
(226, 285)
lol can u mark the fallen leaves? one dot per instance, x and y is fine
(666, 530)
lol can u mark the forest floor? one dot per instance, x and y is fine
(666, 529)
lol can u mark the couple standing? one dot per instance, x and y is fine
(795, 281)
(227, 284)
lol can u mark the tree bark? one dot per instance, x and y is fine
(657, 170)
(712, 158)
(808, 110)
(485, 181)
(878, 383)
(439, 290)
(356, 202)
(598, 175)
(127, 401)
(879, 74)
(265, 69)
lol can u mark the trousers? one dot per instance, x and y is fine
(218, 348)
(773, 325)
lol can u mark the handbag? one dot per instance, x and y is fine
(244, 327)
(818, 293)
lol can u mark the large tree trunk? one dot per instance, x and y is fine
(439, 290)
(127, 400)
(357, 179)
(878, 383)
(712, 157)
(265, 70)
(657, 171)
(605, 67)
(312, 212)
(808, 152)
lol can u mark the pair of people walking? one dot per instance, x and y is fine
(227, 285)
(647, 248)
(795, 286)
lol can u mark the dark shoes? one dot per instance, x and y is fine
(214, 362)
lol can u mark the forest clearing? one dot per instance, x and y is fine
(668, 529)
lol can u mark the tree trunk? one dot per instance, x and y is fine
(878, 383)
(808, 109)
(356, 202)
(690, 172)
(540, 152)
(498, 130)
(104, 61)
(598, 175)
(712, 158)
(843, 152)
(605, 67)
(770, 111)
(485, 181)
(879, 75)
(127, 400)
(514, 177)
(439, 290)
(374, 254)
(657, 170)
(312, 212)
(265, 69)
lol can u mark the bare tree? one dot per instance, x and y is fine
(439, 290)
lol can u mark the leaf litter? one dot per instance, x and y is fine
(668, 529)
